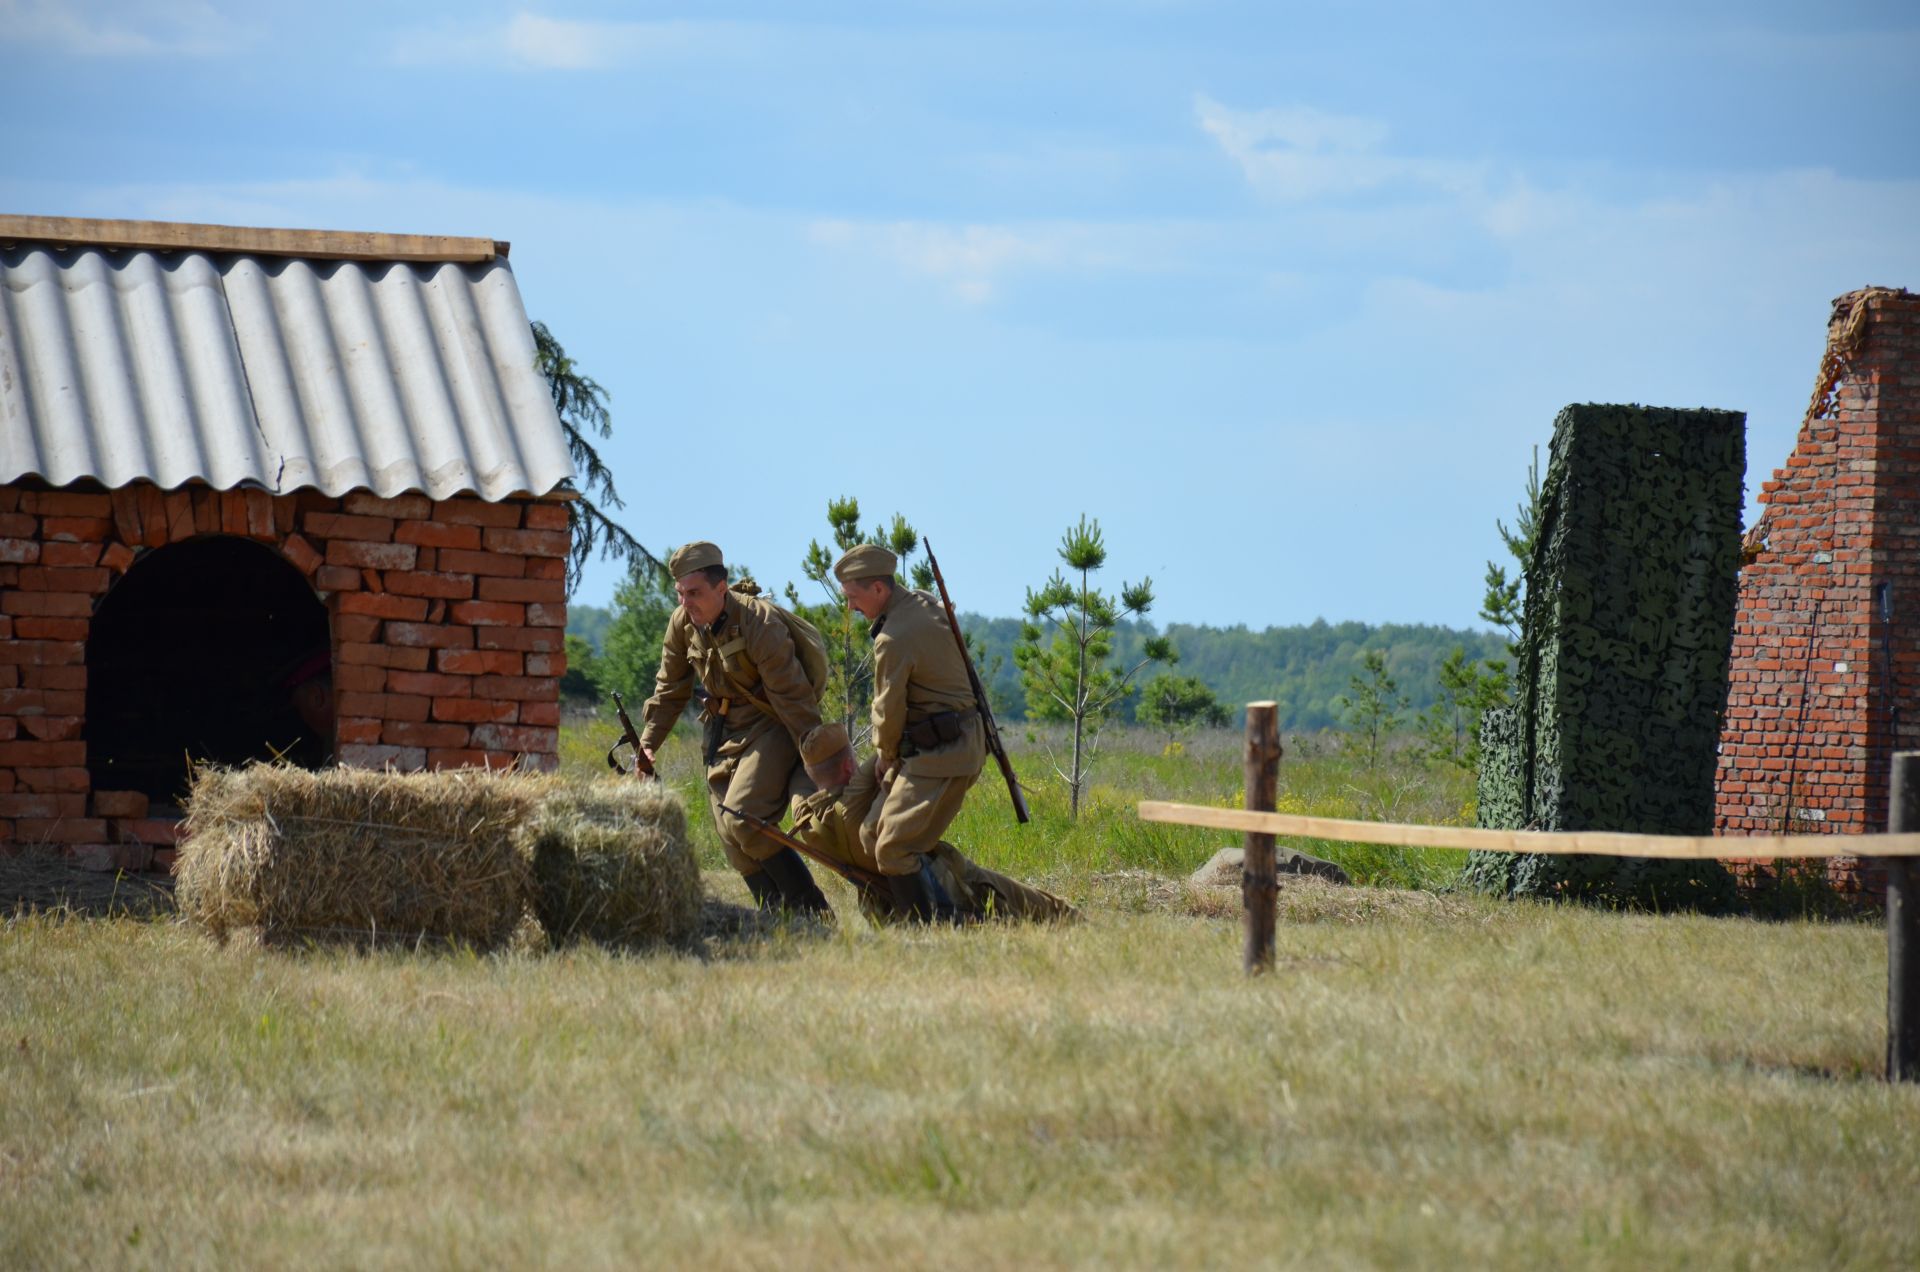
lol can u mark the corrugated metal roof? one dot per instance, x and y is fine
(172, 367)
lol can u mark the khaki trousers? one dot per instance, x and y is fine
(906, 822)
(758, 778)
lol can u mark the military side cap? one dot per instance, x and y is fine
(824, 743)
(868, 561)
(697, 555)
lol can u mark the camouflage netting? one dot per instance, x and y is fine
(1622, 673)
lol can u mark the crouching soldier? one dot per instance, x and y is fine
(928, 740)
(760, 713)
(829, 820)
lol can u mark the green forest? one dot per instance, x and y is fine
(1303, 668)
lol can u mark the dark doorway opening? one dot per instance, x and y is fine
(212, 649)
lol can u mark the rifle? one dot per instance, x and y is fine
(994, 743)
(854, 875)
(630, 737)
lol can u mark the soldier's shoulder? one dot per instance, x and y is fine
(914, 607)
(927, 612)
(754, 611)
(811, 810)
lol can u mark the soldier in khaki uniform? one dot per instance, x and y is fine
(928, 740)
(760, 714)
(829, 820)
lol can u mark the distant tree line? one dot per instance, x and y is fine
(1306, 669)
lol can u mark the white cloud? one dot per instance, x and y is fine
(971, 259)
(561, 44)
(89, 28)
(536, 42)
(1298, 153)
(557, 44)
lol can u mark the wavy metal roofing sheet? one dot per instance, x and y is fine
(173, 367)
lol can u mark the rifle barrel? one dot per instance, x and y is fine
(852, 874)
(992, 727)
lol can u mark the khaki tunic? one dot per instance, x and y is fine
(829, 823)
(744, 660)
(917, 671)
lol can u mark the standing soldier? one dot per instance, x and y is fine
(928, 741)
(761, 715)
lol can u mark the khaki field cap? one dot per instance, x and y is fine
(824, 743)
(697, 555)
(868, 561)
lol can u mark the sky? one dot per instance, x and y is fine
(1284, 295)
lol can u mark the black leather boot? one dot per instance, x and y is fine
(766, 893)
(921, 897)
(798, 892)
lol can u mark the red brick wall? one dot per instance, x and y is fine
(448, 623)
(1814, 689)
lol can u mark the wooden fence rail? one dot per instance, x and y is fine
(1591, 842)
(1259, 888)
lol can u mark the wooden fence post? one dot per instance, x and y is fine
(1903, 927)
(1259, 890)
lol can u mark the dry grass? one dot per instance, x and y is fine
(1427, 1080)
(42, 878)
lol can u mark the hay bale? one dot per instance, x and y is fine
(612, 863)
(357, 854)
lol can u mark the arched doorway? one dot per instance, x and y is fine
(214, 649)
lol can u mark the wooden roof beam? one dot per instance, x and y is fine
(182, 236)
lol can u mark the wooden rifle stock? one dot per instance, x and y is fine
(629, 737)
(994, 744)
(852, 874)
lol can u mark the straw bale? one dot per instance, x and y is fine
(355, 853)
(612, 863)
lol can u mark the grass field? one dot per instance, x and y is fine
(1316, 776)
(1428, 1079)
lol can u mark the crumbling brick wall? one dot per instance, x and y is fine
(447, 623)
(1824, 688)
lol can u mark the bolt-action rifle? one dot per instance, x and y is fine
(642, 767)
(854, 875)
(980, 696)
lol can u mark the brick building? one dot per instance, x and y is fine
(251, 480)
(1825, 681)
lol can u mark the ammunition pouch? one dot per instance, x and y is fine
(932, 732)
(715, 715)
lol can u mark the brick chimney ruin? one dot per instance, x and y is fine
(1825, 682)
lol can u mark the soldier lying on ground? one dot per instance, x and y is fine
(829, 820)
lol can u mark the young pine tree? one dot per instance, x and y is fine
(1451, 726)
(1505, 600)
(1065, 650)
(1372, 704)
